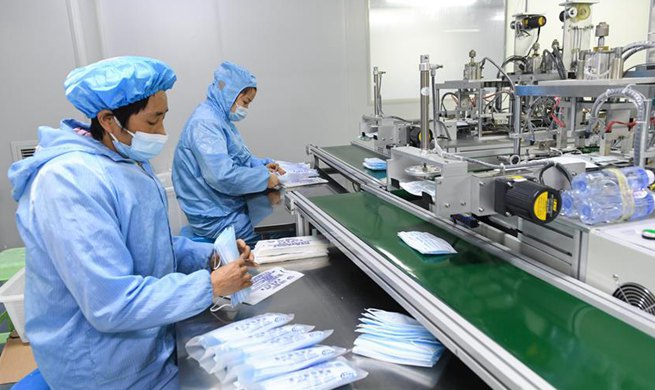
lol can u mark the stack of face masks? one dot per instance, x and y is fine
(375, 164)
(290, 248)
(396, 338)
(298, 174)
(264, 352)
(226, 247)
(426, 243)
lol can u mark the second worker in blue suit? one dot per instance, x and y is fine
(212, 167)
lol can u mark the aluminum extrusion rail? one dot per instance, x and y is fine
(344, 168)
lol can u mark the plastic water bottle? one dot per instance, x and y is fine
(570, 202)
(606, 183)
(593, 212)
(645, 206)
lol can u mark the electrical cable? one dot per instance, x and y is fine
(561, 168)
(511, 83)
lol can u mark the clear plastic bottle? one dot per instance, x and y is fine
(570, 204)
(604, 181)
(644, 204)
(593, 212)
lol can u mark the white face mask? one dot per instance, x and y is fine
(144, 146)
(329, 375)
(237, 330)
(207, 360)
(262, 368)
(286, 343)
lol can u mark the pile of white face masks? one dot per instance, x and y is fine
(396, 338)
(290, 248)
(375, 164)
(226, 247)
(265, 352)
(298, 174)
(426, 243)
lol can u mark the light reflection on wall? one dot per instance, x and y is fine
(401, 30)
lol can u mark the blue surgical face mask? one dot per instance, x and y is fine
(144, 146)
(226, 247)
(239, 114)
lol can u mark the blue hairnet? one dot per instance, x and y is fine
(116, 82)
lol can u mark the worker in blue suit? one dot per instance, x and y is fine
(213, 169)
(105, 278)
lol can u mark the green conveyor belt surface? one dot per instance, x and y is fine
(566, 341)
(354, 156)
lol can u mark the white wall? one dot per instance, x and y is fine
(446, 30)
(298, 50)
(36, 54)
(310, 58)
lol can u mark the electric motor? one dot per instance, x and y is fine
(526, 198)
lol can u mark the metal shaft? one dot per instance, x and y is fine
(424, 68)
(516, 116)
(644, 134)
(562, 139)
(376, 91)
(435, 104)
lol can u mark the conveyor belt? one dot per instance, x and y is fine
(354, 156)
(566, 341)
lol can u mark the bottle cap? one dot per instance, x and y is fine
(651, 176)
(648, 234)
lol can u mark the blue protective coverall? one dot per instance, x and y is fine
(212, 168)
(105, 278)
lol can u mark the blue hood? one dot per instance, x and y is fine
(229, 80)
(54, 143)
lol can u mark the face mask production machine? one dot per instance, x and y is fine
(532, 299)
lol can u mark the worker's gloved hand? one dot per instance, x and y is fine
(273, 181)
(275, 168)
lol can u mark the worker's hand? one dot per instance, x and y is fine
(273, 180)
(275, 168)
(274, 197)
(234, 276)
(230, 278)
(246, 253)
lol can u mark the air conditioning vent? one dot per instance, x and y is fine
(636, 295)
(22, 149)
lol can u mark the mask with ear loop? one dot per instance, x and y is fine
(144, 145)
